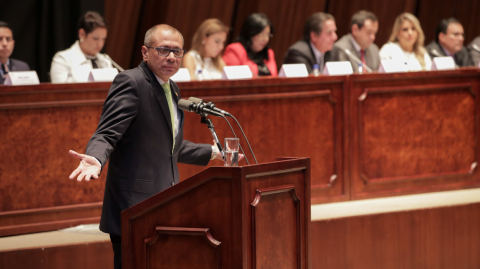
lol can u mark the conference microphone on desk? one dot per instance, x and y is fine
(358, 61)
(115, 64)
(436, 53)
(475, 47)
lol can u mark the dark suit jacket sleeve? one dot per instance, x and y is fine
(119, 109)
(294, 56)
(191, 153)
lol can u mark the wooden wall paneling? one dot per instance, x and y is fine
(123, 20)
(407, 138)
(430, 12)
(386, 12)
(445, 237)
(281, 118)
(184, 15)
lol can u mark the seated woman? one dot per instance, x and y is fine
(204, 60)
(252, 47)
(406, 44)
(75, 63)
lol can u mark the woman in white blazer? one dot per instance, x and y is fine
(74, 64)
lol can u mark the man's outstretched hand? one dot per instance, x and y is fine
(87, 169)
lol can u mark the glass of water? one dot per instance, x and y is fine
(231, 151)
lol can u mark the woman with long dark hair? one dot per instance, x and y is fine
(252, 48)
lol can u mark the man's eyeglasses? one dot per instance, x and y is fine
(164, 52)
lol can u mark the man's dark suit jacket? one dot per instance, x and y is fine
(15, 65)
(135, 134)
(474, 53)
(462, 58)
(301, 52)
(372, 55)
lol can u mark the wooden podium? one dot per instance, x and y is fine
(255, 216)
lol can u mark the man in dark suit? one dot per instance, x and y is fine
(474, 50)
(359, 42)
(7, 43)
(319, 35)
(141, 133)
(449, 37)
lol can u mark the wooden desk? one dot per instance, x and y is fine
(372, 135)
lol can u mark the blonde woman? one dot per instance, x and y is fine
(406, 44)
(204, 60)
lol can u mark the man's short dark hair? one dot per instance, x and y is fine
(6, 25)
(443, 26)
(360, 17)
(314, 23)
(91, 21)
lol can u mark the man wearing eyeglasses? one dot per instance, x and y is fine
(7, 44)
(141, 133)
(449, 37)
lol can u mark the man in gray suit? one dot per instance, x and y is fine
(449, 37)
(7, 43)
(474, 49)
(359, 42)
(319, 35)
(141, 133)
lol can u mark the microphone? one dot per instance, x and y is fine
(475, 47)
(200, 108)
(210, 106)
(115, 64)
(436, 53)
(357, 60)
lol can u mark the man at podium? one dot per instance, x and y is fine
(141, 133)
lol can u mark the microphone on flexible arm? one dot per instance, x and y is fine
(115, 64)
(475, 47)
(437, 54)
(358, 61)
(211, 106)
(204, 112)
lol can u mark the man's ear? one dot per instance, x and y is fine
(144, 53)
(355, 29)
(441, 37)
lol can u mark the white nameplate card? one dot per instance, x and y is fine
(102, 74)
(181, 76)
(392, 66)
(293, 71)
(16, 78)
(337, 68)
(236, 72)
(414, 65)
(443, 63)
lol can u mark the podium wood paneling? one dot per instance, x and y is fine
(281, 117)
(243, 217)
